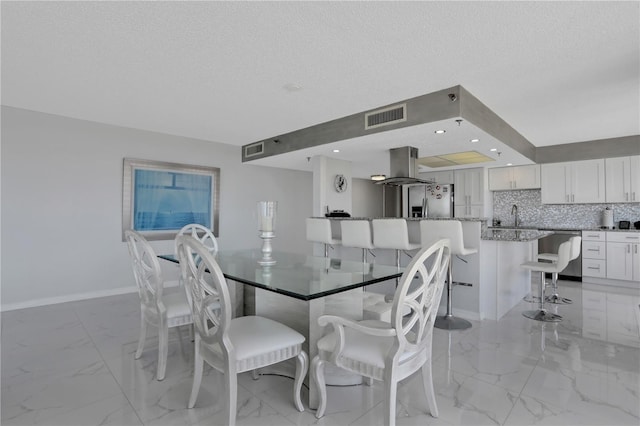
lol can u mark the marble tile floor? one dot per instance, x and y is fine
(73, 364)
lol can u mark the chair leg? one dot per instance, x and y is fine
(143, 335)
(448, 321)
(163, 349)
(302, 364)
(427, 381)
(555, 298)
(232, 390)
(541, 313)
(198, 366)
(389, 403)
(317, 371)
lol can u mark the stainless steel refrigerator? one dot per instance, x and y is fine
(430, 200)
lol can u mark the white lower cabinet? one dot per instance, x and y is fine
(611, 256)
(594, 254)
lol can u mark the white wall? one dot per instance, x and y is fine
(62, 203)
(367, 198)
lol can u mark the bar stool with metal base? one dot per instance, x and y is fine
(319, 231)
(357, 233)
(541, 314)
(392, 234)
(434, 230)
(555, 298)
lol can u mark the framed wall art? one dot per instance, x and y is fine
(159, 198)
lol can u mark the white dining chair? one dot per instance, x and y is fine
(202, 234)
(232, 346)
(160, 310)
(390, 352)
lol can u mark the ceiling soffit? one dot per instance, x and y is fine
(454, 102)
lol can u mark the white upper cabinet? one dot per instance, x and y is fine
(576, 182)
(469, 192)
(623, 179)
(517, 177)
(445, 176)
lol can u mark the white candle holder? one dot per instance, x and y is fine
(266, 227)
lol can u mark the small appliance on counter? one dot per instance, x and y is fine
(337, 213)
(636, 224)
(607, 219)
(624, 224)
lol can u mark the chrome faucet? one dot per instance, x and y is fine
(514, 211)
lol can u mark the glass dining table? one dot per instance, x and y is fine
(299, 288)
(300, 276)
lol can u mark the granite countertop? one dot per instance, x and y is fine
(494, 234)
(559, 228)
(462, 219)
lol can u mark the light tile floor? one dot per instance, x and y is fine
(73, 364)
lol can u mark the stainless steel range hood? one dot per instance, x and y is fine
(404, 167)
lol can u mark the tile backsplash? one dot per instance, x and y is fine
(532, 212)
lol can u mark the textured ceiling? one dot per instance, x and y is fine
(558, 72)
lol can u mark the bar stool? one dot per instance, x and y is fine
(432, 231)
(319, 231)
(555, 298)
(392, 234)
(357, 233)
(564, 253)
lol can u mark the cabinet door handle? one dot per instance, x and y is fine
(628, 248)
(626, 196)
(633, 196)
(598, 249)
(594, 267)
(631, 238)
(635, 248)
(573, 198)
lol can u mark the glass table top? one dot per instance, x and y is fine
(300, 276)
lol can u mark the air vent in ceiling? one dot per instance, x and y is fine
(385, 117)
(254, 149)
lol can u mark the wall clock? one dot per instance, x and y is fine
(340, 183)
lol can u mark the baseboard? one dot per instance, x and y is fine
(68, 298)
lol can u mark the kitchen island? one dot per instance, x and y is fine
(490, 282)
(502, 251)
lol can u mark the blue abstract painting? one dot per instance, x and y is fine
(168, 200)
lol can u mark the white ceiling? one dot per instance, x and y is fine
(558, 72)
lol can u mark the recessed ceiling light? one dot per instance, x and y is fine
(378, 177)
(336, 150)
(475, 140)
(493, 149)
(509, 164)
(439, 132)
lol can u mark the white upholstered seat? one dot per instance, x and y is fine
(433, 230)
(319, 231)
(156, 308)
(231, 346)
(390, 351)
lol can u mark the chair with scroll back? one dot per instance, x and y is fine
(231, 346)
(156, 308)
(385, 351)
